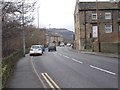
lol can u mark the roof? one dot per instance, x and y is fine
(101, 5)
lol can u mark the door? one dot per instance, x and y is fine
(95, 31)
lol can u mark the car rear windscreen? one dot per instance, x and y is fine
(35, 47)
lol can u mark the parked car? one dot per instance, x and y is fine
(62, 44)
(36, 50)
(68, 44)
(52, 47)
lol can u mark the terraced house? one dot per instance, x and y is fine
(97, 26)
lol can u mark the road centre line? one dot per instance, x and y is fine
(102, 70)
(92, 66)
(60, 54)
(37, 73)
(72, 58)
(66, 56)
(50, 82)
(63, 55)
(76, 60)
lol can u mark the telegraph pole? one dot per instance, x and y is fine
(99, 48)
(85, 29)
(23, 29)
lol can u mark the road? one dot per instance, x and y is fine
(67, 69)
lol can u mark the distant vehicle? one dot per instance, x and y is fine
(52, 47)
(62, 44)
(43, 47)
(36, 50)
(68, 44)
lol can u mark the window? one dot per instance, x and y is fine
(118, 15)
(108, 28)
(119, 27)
(75, 19)
(107, 15)
(94, 15)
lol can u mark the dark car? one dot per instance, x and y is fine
(43, 47)
(51, 47)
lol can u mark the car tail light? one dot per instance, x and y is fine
(39, 49)
(31, 49)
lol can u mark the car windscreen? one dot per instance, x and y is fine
(35, 47)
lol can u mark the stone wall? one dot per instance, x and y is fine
(8, 64)
(109, 47)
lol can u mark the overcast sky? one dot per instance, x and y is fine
(56, 13)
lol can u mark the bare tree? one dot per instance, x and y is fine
(12, 22)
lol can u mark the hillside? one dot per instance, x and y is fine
(67, 35)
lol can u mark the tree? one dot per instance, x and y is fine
(12, 22)
(59, 42)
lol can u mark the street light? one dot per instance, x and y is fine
(38, 15)
(23, 28)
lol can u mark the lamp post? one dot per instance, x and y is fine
(38, 15)
(23, 28)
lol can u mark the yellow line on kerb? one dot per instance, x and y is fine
(49, 79)
(52, 81)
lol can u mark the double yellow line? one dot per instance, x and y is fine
(50, 82)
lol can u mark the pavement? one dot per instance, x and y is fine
(65, 68)
(96, 53)
(24, 76)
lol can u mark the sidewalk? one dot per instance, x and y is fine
(24, 76)
(96, 53)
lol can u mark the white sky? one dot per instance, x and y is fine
(58, 13)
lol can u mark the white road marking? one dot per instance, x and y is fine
(37, 73)
(66, 56)
(60, 54)
(72, 59)
(102, 70)
(76, 60)
(63, 55)
(91, 65)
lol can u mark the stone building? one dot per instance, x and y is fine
(97, 26)
(53, 37)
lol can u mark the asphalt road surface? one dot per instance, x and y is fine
(67, 69)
